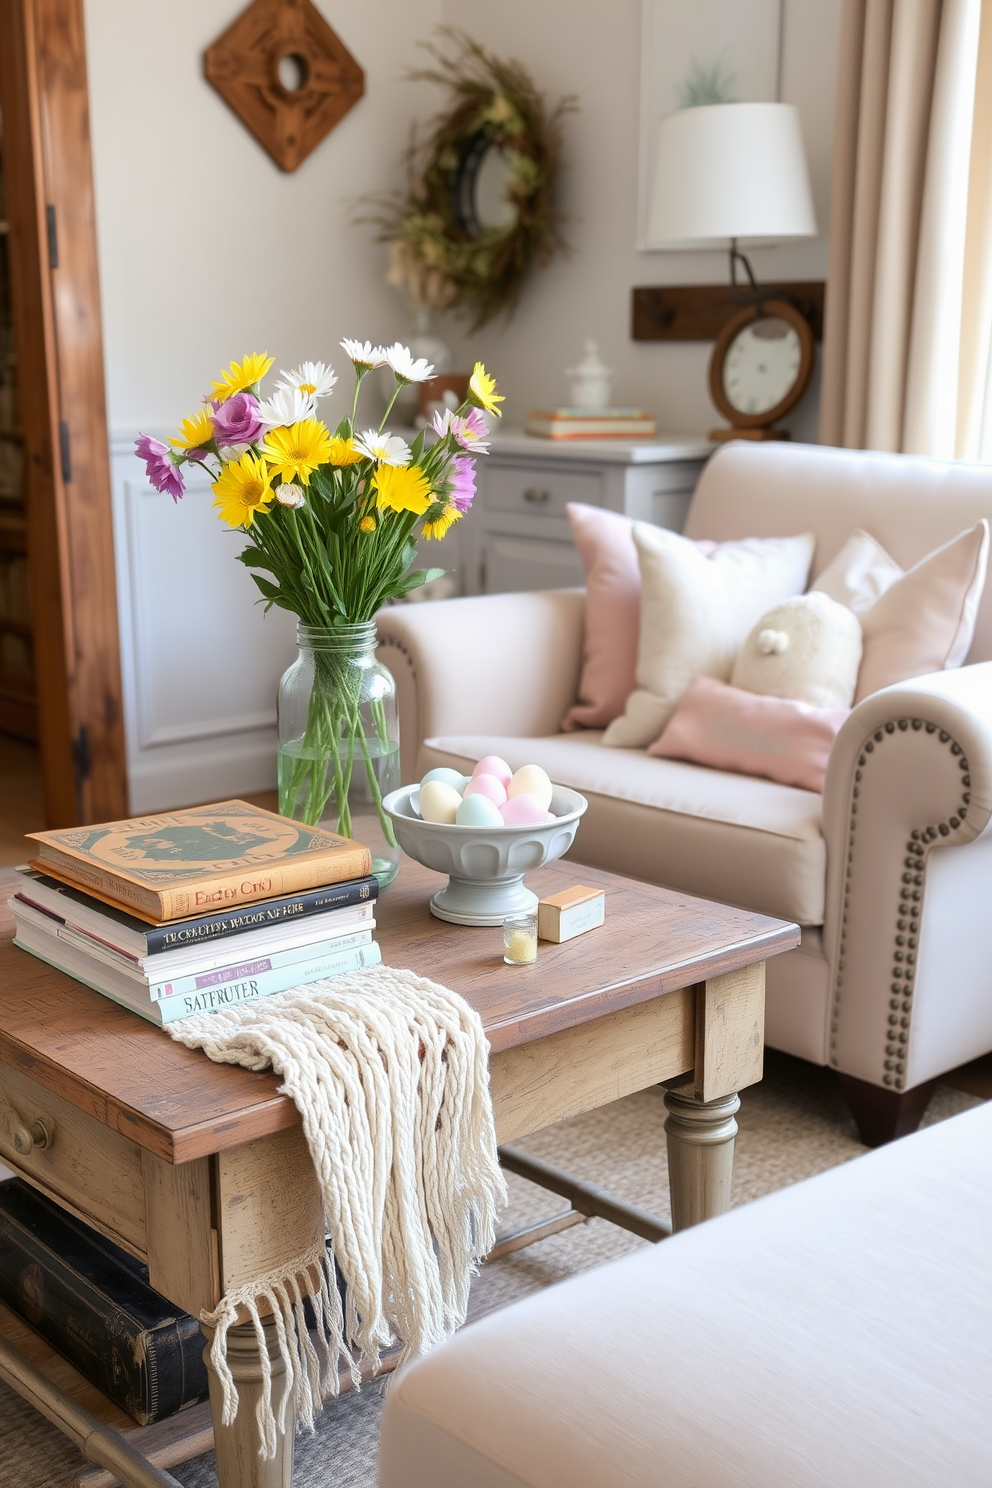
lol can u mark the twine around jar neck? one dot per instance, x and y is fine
(351, 639)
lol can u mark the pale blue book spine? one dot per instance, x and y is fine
(267, 984)
(257, 966)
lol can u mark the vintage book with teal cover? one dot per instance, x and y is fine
(177, 864)
(92, 1302)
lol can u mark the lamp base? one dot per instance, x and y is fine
(720, 436)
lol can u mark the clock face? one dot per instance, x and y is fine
(761, 365)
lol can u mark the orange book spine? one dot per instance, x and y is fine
(201, 897)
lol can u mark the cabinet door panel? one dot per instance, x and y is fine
(510, 563)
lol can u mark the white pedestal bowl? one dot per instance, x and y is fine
(485, 865)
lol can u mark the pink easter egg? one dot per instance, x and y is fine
(487, 785)
(522, 811)
(493, 765)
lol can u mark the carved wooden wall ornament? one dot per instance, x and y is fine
(287, 76)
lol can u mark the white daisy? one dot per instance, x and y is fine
(229, 452)
(388, 449)
(364, 355)
(401, 359)
(315, 379)
(286, 406)
(290, 494)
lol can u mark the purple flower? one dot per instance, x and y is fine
(236, 420)
(160, 467)
(462, 483)
(471, 432)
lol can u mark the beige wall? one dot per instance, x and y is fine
(593, 48)
(208, 250)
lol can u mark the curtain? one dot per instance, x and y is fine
(908, 322)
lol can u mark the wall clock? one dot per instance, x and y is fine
(761, 366)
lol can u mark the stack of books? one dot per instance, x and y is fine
(590, 423)
(190, 911)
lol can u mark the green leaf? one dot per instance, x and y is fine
(419, 577)
(417, 448)
(271, 591)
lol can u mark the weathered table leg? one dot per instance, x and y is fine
(700, 1156)
(238, 1462)
(700, 1125)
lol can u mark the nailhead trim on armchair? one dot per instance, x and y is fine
(910, 899)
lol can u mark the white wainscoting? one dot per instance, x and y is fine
(200, 660)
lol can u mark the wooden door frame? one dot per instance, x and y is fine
(57, 327)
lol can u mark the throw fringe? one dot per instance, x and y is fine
(389, 1072)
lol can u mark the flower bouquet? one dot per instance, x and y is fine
(332, 521)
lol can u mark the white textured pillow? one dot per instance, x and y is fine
(808, 649)
(696, 611)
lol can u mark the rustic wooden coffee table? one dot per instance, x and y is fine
(201, 1169)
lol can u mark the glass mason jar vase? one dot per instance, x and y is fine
(339, 739)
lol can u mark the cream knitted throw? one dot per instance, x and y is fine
(389, 1072)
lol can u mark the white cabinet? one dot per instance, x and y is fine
(517, 535)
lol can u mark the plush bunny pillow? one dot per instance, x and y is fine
(696, 612)
(807, 648)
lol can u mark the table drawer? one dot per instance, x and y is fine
(539, 491)
(92, 1170)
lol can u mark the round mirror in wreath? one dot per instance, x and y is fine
(479, 211)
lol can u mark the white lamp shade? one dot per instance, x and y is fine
(730, 170)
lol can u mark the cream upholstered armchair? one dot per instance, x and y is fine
(889, 873)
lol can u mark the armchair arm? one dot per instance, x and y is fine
(908, 931)
(496, 663)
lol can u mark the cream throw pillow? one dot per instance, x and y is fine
(925, 621)
(807, 648)
(695, 614)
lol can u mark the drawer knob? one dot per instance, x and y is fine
(35, 1134)
(535, 495)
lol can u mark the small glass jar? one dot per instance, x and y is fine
(339, 739)
(520, 939)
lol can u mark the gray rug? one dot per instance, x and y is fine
(792, 1125)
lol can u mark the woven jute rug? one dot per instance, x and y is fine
(792, 1125)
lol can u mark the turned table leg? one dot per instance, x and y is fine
(700, 1155)
(238, 1462)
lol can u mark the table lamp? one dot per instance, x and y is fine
(724, 172)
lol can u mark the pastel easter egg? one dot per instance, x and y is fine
(489, 786)
(454, 778)
(531, 780)
(493, 765)
(415, 801)
(439, 802)
(520, 811)
(478, 811)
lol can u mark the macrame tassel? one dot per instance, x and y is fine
(389, 1072)
(309, 1376)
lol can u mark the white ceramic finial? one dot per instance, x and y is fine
(590, 381)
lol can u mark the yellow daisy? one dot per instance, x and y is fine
(482, 391)
(243, 490)
(343, 452)
(403, 488)
(297, 451)
(441, 524)
(195, 431)
(241, 375)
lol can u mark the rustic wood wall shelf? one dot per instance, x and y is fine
(287, 76)
(699, 312)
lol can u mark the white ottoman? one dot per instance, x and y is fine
(837, 1334)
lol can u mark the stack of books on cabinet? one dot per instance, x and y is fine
(591, 423)
(190, 911)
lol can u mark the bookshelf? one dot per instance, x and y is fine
(18, 710)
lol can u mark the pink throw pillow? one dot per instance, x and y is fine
(730, 729)
(925, 621)
(613, 614)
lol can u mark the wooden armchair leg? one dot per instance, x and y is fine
(883, 1115)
